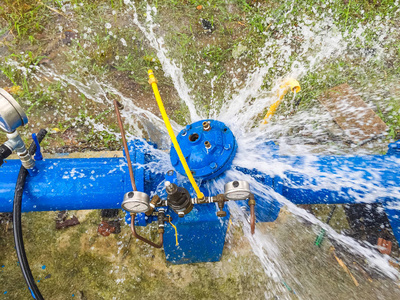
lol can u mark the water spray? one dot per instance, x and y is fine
(188, 201)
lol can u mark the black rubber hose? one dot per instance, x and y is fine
(17, 227)
(4, 153)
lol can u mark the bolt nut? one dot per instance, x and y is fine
(252, 202)
(221, 213)
(213, 165)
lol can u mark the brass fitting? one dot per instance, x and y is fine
(153, 204)
(220, 199)
(252, 202)
(206, 125)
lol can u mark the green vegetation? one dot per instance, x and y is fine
(106, 41)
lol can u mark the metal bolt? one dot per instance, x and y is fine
(213, 165)
(207, 144)
(181, 214)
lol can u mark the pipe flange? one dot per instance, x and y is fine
(209, 147)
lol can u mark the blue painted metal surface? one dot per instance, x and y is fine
(62, 184)
(205, 163)
(38, 153)
(98, 183)
(201, 236)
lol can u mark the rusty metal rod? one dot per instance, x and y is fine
(143, 239)
(128, 157)
(252, 219)
(252, 204)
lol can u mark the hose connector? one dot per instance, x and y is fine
(15, 143)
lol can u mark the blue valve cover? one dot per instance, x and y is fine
(205, 160)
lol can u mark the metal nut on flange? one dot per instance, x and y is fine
(213, 165)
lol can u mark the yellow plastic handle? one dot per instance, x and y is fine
(291, 84)
(153, 83)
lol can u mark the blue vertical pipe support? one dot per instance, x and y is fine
(201, 235)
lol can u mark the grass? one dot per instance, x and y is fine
(390, 114)
(205, 57)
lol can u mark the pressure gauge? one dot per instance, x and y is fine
(12, 115)
(136, 202)
(237, 190)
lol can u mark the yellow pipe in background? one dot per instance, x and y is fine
(153, 83)
(291, 84)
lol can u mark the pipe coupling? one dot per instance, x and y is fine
(15, 143)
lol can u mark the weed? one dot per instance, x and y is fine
(25, 17)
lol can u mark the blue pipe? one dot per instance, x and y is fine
(97, 183)
(67, 184)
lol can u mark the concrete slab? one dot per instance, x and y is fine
(358, 121)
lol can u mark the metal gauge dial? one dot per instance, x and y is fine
(237, 190)
(136, 202)
(12, 115)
